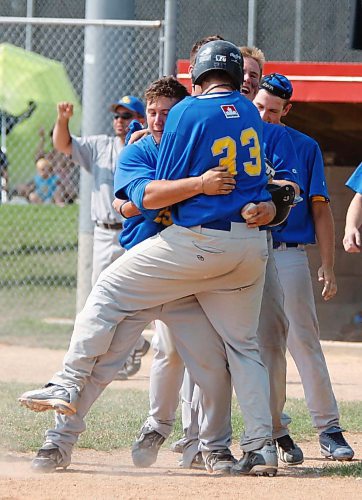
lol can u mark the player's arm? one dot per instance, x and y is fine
(139, 134)
(61, 136)
(125, 207)
(352, 235)
(324, 228)
(162, 193)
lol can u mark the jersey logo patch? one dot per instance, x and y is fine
(230, 111)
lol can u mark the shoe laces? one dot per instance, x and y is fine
(151, 438)
(220, 455)
(338, 438)
(51, 453)
(286, 443)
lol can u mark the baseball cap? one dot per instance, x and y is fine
(278, 85)
(130, 102)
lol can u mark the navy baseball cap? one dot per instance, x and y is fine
(130, 102)
(278, 85)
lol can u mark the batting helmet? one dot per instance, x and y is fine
(283, 198)
(219, 55)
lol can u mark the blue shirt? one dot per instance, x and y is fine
(45, 188)
(200, 133)
(300, 225)
(205, 131)
(355, 181)
(136, 164)
(279, 149)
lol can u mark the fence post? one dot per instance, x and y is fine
(95, 84)
(251, 22)
(169, 60)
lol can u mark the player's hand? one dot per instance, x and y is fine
(136, 136)
(352, 240)
(217, 180)
(116, 204)
(259, 214)
(65, 110)
(327, 277)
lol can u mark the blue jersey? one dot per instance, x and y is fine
(279, 150)
(206, 131)
(136, 164)
(300, 225)
(355, 181)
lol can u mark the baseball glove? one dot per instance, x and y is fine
(283, 198)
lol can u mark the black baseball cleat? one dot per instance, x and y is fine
(145, 448)
(48, 459)
(220, 461)
(288, 452)
(133, 363)
(197, 462)
(179, 446)
(262, 462)
(334, 446)
(50, 397)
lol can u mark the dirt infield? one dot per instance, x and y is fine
(101, 475)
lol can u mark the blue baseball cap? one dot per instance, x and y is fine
(278, 85)
(130, 102)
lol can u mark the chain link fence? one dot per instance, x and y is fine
(38, 244)
(286, 30)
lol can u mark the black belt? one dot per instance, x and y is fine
(277, 244)
(221, 225)
(116, 226)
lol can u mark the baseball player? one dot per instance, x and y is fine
(273, 323)
(209, 248)
(310, 219)
(352, 235)
(98, 155)
(56, 451)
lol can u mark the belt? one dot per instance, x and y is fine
(116, 226)
(221, 225)
(281, 244)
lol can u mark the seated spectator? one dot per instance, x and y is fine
(66, 170)
(45, 184)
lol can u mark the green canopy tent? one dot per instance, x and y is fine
(25, 77)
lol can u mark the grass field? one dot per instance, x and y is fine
(116, 417)
(38, 264)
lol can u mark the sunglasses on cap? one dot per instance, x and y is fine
(126, 115)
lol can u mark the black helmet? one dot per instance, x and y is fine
(222, 56)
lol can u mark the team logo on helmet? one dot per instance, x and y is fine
(235, 57)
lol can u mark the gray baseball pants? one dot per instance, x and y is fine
(184, 317)
(303, 336)
(106, 249)
(224, 269)
(167, 367)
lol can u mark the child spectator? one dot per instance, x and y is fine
(45, 184)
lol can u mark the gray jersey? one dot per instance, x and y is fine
(98, 155)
